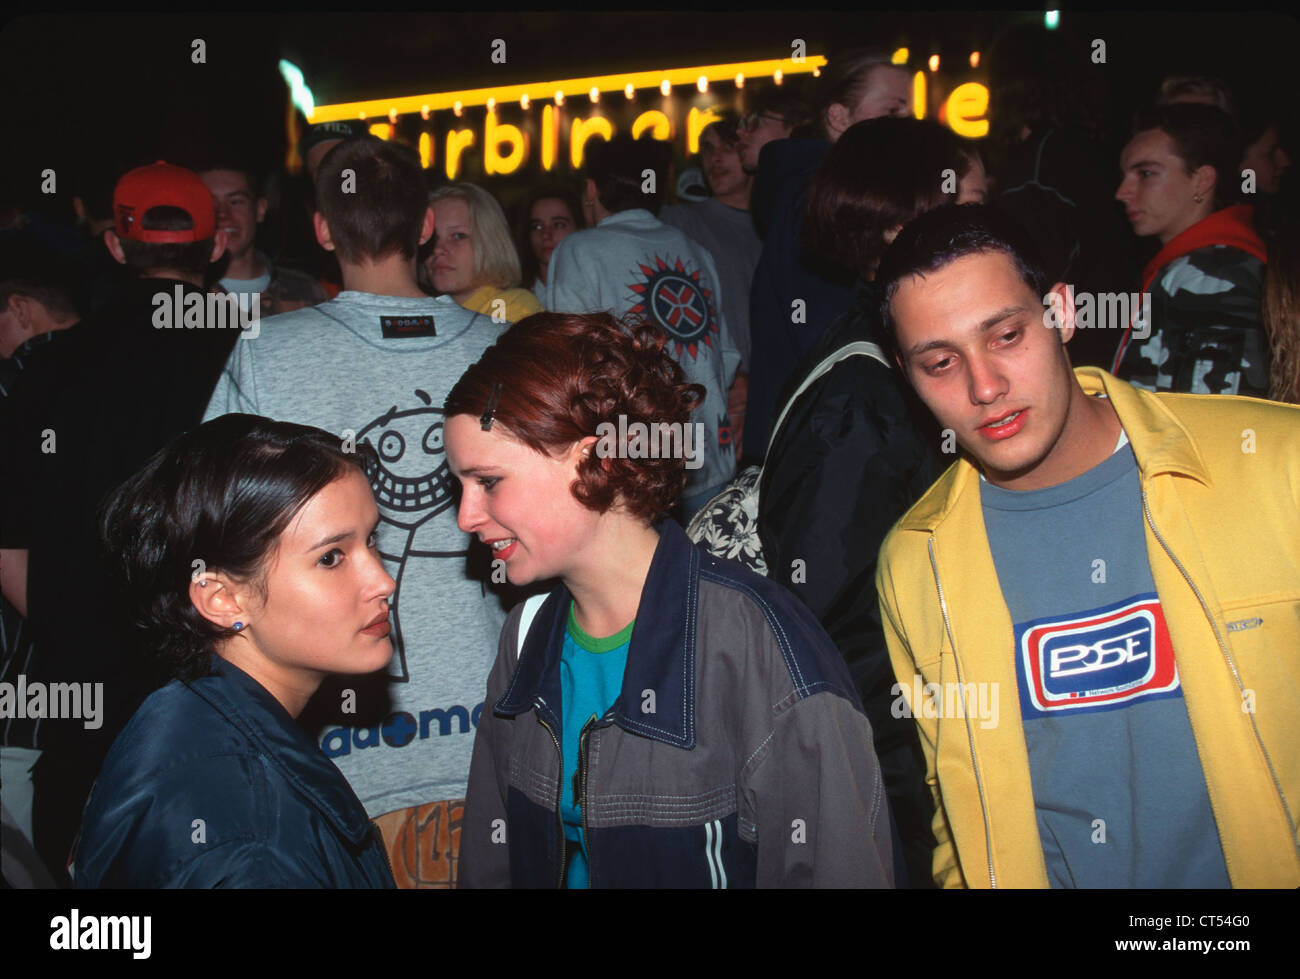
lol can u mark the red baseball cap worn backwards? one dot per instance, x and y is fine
(157, 185)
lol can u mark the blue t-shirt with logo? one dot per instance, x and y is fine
(1119, 791)
(591, 678)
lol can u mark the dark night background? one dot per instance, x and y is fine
(92, 94)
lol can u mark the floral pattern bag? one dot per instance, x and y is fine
(727, 526)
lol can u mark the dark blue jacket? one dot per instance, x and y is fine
(212, 784)
(736, 755)
(786, 271)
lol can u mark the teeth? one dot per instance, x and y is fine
(501, 545)
(1006, 421)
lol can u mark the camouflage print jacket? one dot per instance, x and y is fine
(1201, 331)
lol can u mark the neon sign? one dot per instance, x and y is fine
(573, 111)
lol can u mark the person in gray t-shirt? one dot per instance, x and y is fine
(374, 365)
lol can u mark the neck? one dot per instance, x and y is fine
(392, 276)
(739, 198)
(292, 690)
(607, 589)
(245, 266)
(463, 296)
(187, 277)
(1202, 212)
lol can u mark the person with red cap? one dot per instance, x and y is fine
(120, 388)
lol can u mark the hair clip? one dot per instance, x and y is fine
(494, 402)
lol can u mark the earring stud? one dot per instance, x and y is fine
(238, 626)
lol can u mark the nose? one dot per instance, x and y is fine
(987, 383)
(1124, 192)
(470, 516)
(380, 581)
(223, 213)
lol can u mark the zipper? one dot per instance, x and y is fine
(559, 797)
(580, 788)
(970, 737)
(1223, 647)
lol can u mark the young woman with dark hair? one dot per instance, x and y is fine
(661, 718)
(247, 551)
(550, 215)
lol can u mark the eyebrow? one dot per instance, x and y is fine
(1144, 163)
(985, 325)
(346, 535)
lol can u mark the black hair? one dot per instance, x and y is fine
(216, 498)
(880, 174)
(523, 243)
(191, 257)
(1203, 135)
(29, 268)
(383, 211)
(255, 183)
(618, 169)
(940, 237)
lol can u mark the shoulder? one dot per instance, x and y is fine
(735, 601)
(1212, 271)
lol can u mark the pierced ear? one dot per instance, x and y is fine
(219, 599)
(1204, 180)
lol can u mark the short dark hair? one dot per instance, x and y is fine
(880, 174)
(940, 237)
(28, 268)
(617, 168)
(191, 257)
(385, 214)
(727, 126)
(254, 180)
(222, 494)
(1203, 135)
(799, 114)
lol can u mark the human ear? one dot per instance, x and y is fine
(220, 599)
(322, 231)
(114, 245)
(427, 226)
(1061, 296)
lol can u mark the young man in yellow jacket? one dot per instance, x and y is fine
(1094, 615)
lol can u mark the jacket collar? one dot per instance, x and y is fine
(1161, 444)
(247, 706)
(660, 659)
(633, 217)
(1231, 226)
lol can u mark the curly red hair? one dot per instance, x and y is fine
(562, 375)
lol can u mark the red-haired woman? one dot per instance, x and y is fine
(665, 719)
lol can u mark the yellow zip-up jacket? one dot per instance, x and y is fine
(1220, 480)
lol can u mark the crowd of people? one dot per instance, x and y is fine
(660, 544)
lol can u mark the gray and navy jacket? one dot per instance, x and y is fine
(736, 755)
